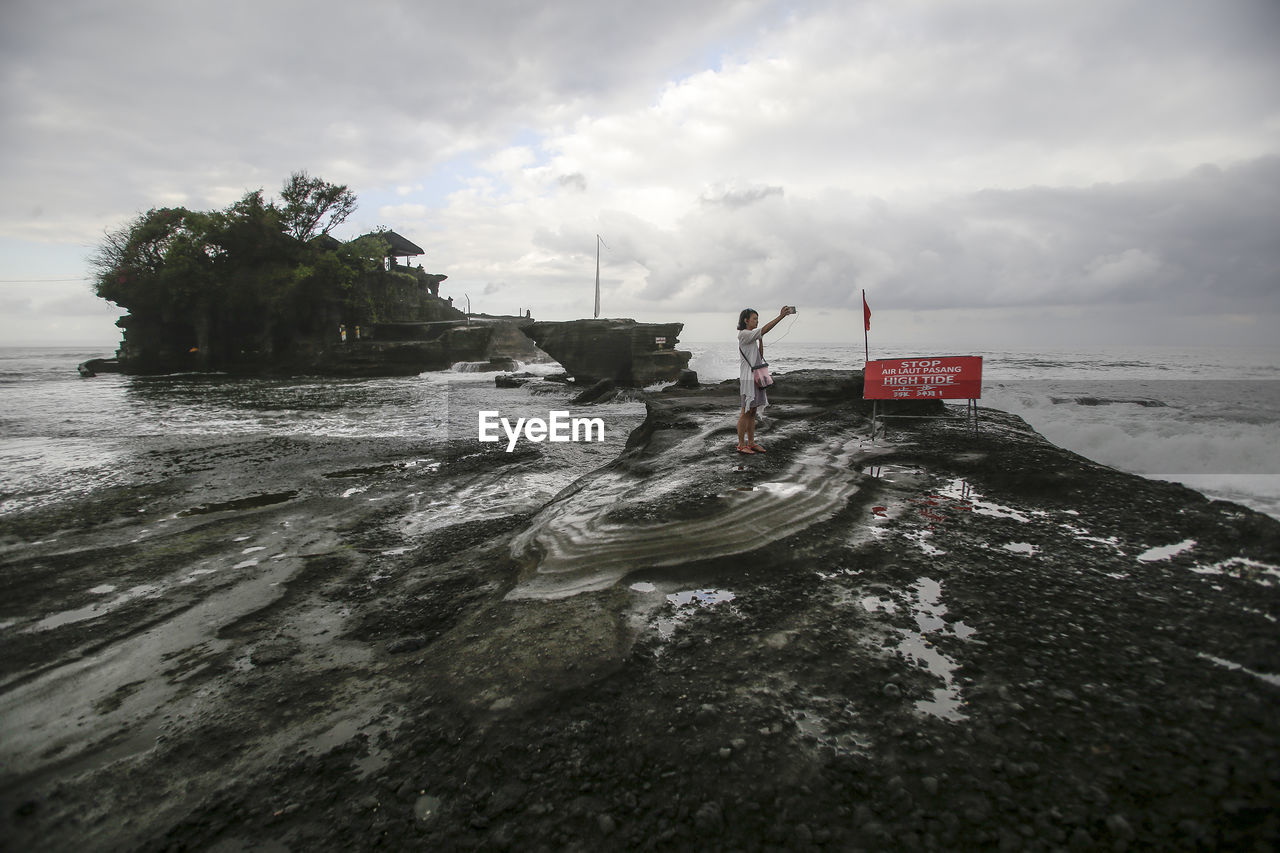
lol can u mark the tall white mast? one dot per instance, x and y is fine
(597, 276)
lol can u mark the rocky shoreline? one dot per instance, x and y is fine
(932, 641)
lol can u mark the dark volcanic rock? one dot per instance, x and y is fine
(509, 380)
(452, 344)
(598, 392)
(630, 353)
(94, 366)
(688, 379)
(508, 340)
(937, 641)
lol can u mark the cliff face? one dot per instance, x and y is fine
(509, 339)
(435, 346)
(402, 297)
(629, 353)
(391, 323)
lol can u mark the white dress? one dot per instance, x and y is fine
(749, 347)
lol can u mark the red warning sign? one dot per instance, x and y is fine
(955, 377)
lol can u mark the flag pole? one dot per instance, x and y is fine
(866, 326)
(597, 276)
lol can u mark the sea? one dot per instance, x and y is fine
(1205, 417)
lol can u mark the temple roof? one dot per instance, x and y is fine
(400, 247)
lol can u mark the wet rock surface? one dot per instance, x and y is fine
(936, 641)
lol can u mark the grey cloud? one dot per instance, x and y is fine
(107, 109)
(1202, 242)
(1069, 72)
(141, 104)
(1019, 93)
(1211, 231)
(738, 196)
(576, 181)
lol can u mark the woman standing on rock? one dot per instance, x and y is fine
(754, 399)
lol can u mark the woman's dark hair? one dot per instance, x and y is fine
(742, 318)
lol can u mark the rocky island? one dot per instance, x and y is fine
(623, 351)
(930, 641)
(264, 288)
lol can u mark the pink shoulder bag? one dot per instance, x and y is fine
(759, 372)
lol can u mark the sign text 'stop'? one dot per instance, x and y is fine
(955, 377)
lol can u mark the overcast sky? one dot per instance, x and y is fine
(993, 173)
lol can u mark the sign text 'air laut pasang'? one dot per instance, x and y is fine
(953, 377)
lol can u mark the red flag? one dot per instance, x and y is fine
(866, 312)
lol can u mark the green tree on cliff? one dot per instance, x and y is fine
(244, 279)
(168, 256)
(252, 251)
(313, 207)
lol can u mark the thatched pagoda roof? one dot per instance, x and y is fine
(400, 247)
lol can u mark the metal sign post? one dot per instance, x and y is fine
(957, 377)
(970, 417)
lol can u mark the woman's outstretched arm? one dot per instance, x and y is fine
(767, 326)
